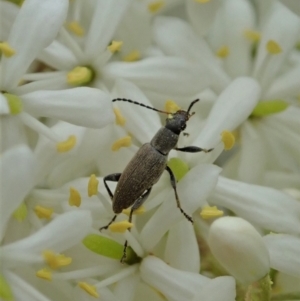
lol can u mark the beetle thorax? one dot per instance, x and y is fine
(164, 140)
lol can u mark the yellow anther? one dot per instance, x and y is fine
(132, 56)
(14, 103)
(273, 47)
(6, 49)
(56, 261)
(138, 211)
(120, 120)
(202, 1)
(43, 212)
(155, 6)
(228, 139)
(21, 212)
(115, 46)
(66, 145)
(171, 106)
(223, 52)
(252, 35)
(44, 274)
(76, 28)
(93, 186)
(74, 198)
(90, 289)
(79, 76)
(122, 142)
(120, 227)
(208, 212)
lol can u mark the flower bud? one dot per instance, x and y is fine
(239, 248)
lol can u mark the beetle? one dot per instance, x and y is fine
(148, 164)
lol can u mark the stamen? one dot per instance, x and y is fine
(44, 274)
(14, 103)
(252, 35)
(223, 52)
(76, 28)
(228, 139)
(115, 46)
(66, 145)
(132, 56)
(122, 142)
(90, 289)
(79, 76)
(208, 212)
(6, 49)
(171, 106)
(138, 211)
(93, 186)
(75, 197)
(120, 227)
(56, 261)
(120, 120)
(273, 47)
(21, 212)
(43, 212)
(155, 6)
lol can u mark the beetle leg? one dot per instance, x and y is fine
(173, 183)
(114, 177)
(193, 149)
(106, 227)
(135, 206)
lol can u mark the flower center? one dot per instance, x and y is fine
(80, 76)
(269, 107)
(14, 103)
(179, 168)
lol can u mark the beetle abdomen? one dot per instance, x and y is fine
(144, 170)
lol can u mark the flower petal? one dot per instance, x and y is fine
(8, 13)
(35, 17)
(81, 106)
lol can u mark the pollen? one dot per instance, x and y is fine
(202, 1)
(90, 289)
(122, 142)
(132, 56)
(115, 46)
(223, 52)
(79, 76)
(273, 47)
(228, 139)
(76, 28)
(171, 106)
(155, 6)
(21, 212)
(208, 212)
(66, 145)
(120, 120)
(138, 211)
(120, 227)
(55, 260)
(6, 49)
(14, 103)
(252, 35)
(93, 186)
(75, 197)
(44, 274)
(43, 212)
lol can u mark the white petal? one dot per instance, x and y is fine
(106, 18)
(174, 77)
(265, 207)
(17, 178)
(232, 107)
(182, 250)
(202, 15)
(35, 17)
(284, 253)
(193, 190)
(81, 106)
(8, 13)
(4, 108)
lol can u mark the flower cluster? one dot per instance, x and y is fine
(223, 223)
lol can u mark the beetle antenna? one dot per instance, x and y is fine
(190, 107)
(140, 104)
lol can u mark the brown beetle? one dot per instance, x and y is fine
(146, 167)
